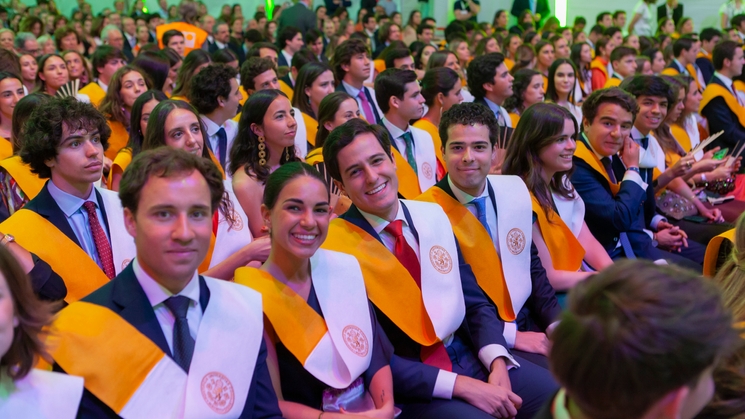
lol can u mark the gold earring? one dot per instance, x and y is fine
(287, 154)
(262, 151)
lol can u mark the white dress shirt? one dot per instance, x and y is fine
(231, 129)
(157, 294)
(396, 134)
(287, 56)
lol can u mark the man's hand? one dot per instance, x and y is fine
(672, 239)
(494, 400)
(630, 152)
(532, 342)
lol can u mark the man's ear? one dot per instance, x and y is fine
(489, 87)
(340, 186)
(130, 223)
(394, 102)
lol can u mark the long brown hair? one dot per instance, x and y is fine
(112, 105)
(540, 125)
(663, 134)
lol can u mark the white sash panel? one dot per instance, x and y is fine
(161, 395)
(122, 244)
(691, 127)
(571, 211)
(442, 291)
(652, 156)
(426, 159)
(344, 353)
(301, 135)
(225, 352)
(230, 239)
(40, 395)
(515, 227)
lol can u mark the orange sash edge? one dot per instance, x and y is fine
(712, 251)
(714, 90)
(408, 182)
(81, 274)
(477, 249)
(566, 251)
(29, 183)
(296, 324)
(427, 125)
(112, 356)
(205, 265)
(217, 163)
(314, 156)
(590, 158)
(311, 128)
(383, 273)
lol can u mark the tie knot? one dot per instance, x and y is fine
(480, 204)
(361, 95)
(221, 132)
(178, 304)
(408, 138)
(395, 228)
(90, 207)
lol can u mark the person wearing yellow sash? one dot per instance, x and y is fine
(11, 91)
(26, 391)
(685, 51)
(401, 101)
(709, 38)
(193, 63)
(140, 115)
(615, 301)
(105, 61)
(126, 85)
(720, 104)
(599, 65)
(441, 90)
(176, 124)
(527, 90)
(315, 81)
(261, 74)
(542, 156)
(325, 353)
(352, 66)
(193, 36)
(160, 340)
(561, 86)
(623, 60)
(437, 314)
(216, 96)
(491, 84)
(72, 225)
(492, 220)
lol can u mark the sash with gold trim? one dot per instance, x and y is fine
(566, 251)
(431, 129)
(286, 89)
(29, 183)
(315, 157)
(217, 163)
(597, 63)
(118, 140)
(94, 92)
(40, 395)
(429, 315)
(230, 238)
(311, 128)
(408, 182)
(586, 155)
(122, 160)
(130, 374)
(6, 148)
(712, 251)
(336, 348)
(714, 90)
(612, 82)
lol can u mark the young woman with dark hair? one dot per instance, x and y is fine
(52, 75)
(126, 85)
(581, 56)
(441, 90)
(314, 82)
(527, 89)
(265, 140)
(11, 91)
(561, 86)
(541, 153)
(195, 61)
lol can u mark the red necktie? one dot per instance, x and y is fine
(103, 247)
(435, 355)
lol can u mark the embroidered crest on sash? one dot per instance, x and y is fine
(427, 170)
(516, 241)
(356, 340)
(125, 262)
(440, 259)
(218, 392)
(237, 221)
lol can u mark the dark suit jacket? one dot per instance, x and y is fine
(46, 282)
(541, 7)
(287, 80)
(412, 379)
(127, 50)
(707, 69)
(282, 61)
(606, 215)
(378, 116)
(675, 65)
(298, 16)
(541, 309)
(125, 297)
(677, 12)
(721, 118)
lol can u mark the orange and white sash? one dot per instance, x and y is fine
(40, 395)
(301, 135)
(426, 158)
(31, 184)
(336, 348)
(566, 251)
(131, 375)
(714, 90)
(585, 154)
(122, 244)
(428, 315)
(230, 239)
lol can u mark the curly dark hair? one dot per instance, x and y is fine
(43, 131)
(469, 113)
(482, 70)
(252, 68)
(245, 151)
(523, 77)
(209, 84)
(343, 55)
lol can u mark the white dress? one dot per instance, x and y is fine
(40, 395)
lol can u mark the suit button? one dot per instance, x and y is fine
(615, 239)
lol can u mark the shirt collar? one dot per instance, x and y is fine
(209, 125)
(395, 131)
(156, 293)
(618, 76)
(589, 145)
(103, 85)
(680, 65)
(637, 135)
(353, 91)
(493, 106)
(69, 204)
(287, 55)
(378, 224)
(462, 196)
(727, 81)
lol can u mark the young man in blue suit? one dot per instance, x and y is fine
(185, 344)
(450, 356)
(352, 66)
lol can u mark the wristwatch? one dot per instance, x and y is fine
(634, 169)
(7, 239)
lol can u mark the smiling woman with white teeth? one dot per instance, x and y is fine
(542, 156)
(326, 353)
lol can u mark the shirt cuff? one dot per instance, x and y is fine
(656, 220)
(444, 385)
(636, 178)
(510, 333)
(489, 353)
(650, 233)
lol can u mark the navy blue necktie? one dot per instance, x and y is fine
(183, 343)
(222, 145)
(480, 204)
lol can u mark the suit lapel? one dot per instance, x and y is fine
(354, 216)
(378, 119)
(44, 205)
(103, 211)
